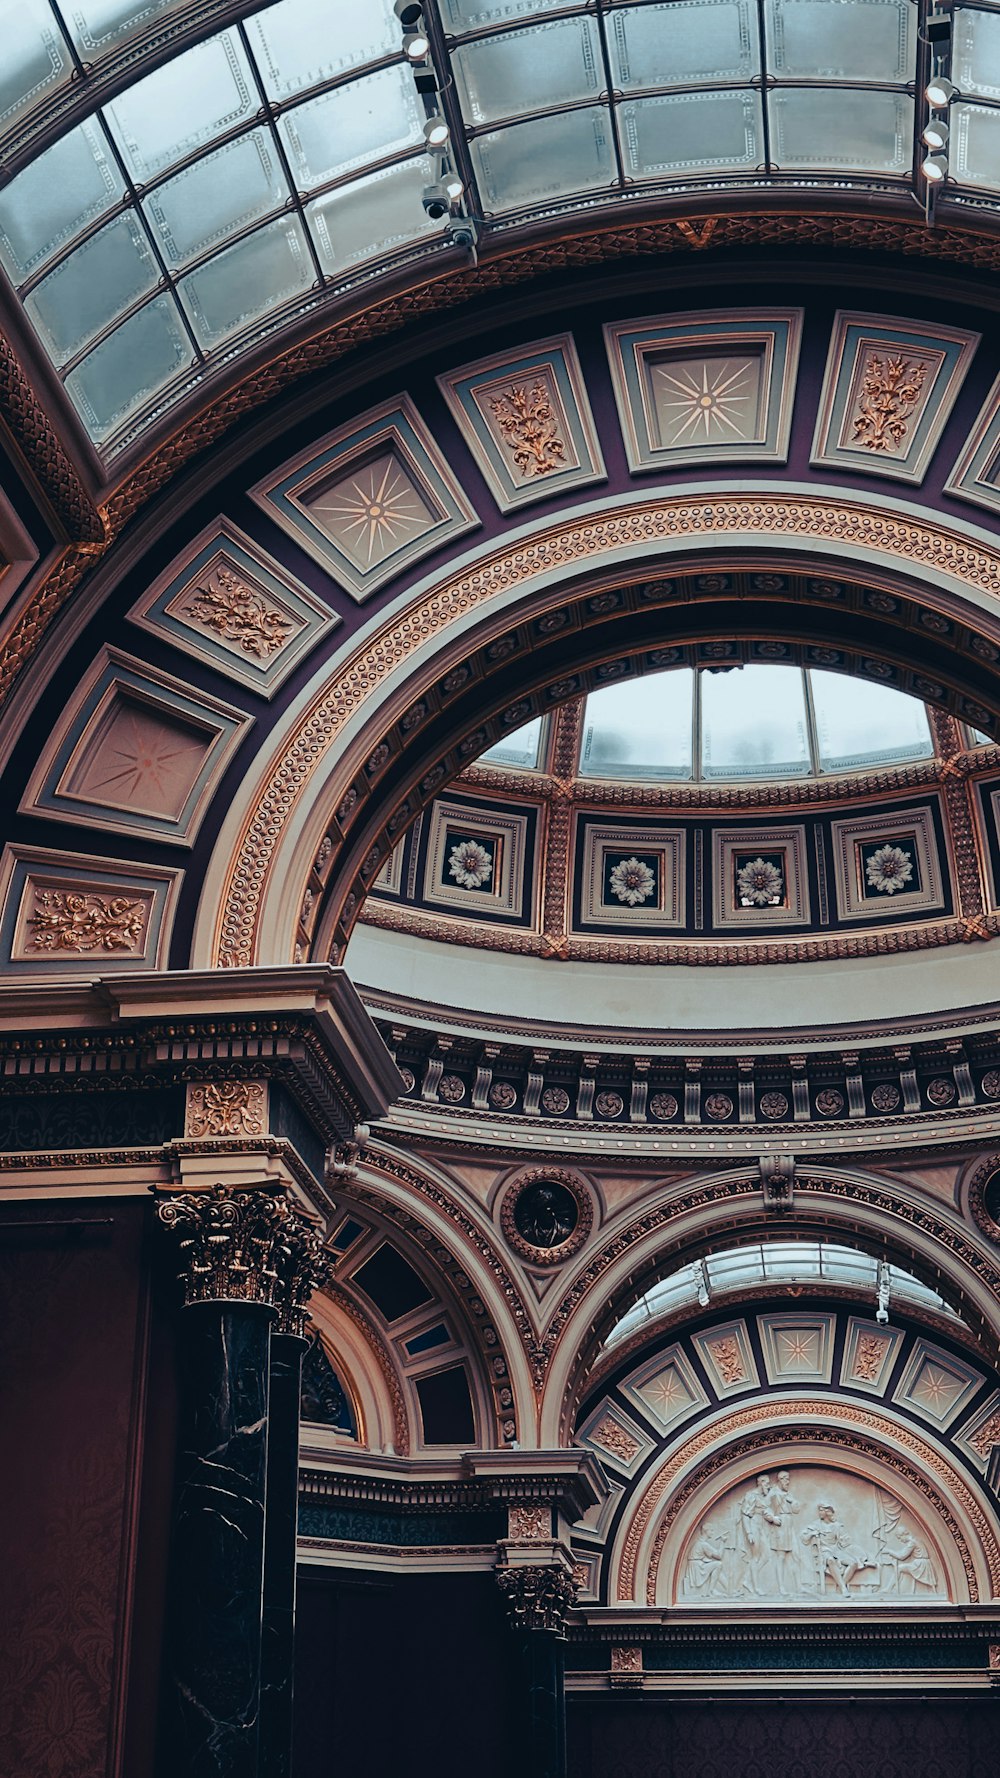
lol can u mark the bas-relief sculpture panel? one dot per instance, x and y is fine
(808, 1535)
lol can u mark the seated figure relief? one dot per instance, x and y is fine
(817, 1536)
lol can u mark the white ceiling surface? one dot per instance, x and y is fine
(228, 191)
(739, 1000)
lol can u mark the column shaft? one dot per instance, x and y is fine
(541, 1661)
(212, 1703)
(278, 1648)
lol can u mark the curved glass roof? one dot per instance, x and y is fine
(754, 722)
(779, 1262)
(182, 181)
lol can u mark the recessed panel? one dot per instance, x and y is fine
(709, 388)
(888, 390)
(372, 499)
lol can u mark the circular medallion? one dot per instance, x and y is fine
(546, 1215)
(609, 1104)
(502, 1095)
(886, 1097)
(984, 1196)
(408, 1079)
(940, 1091)
(451, 1089)
(829, 1103)
(718, 1106)
(556, 1100)
(663, 1106)
(773, 1106)
(991, 1083)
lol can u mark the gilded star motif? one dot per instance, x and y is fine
(937, 1388)
(702, 403)
(667, 1394)
(799, 1350)
(374, 510)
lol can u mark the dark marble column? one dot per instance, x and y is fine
(229, 1246)
(278, 1647)
(213, 1653)
(537, 1600)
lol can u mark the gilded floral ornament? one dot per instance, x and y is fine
(64, 920)
(226, 1108)
(760, 883)
(632, 881)
(529, 429)
(889, 869)
(470, 864)
(238, 614)
(247, 1247)
(889, 394)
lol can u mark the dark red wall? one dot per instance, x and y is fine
(403, 1675)
(75, 1314)
(849, 1738)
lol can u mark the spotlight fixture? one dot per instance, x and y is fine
(436, 201)
(453, 186)
(934, 169)
(436, 131)
(935, 136)
(416, 43)
(937, 29)
(939, 92)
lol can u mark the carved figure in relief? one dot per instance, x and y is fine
(835, 1558)
(705, 1563)
(857, 1542)
(914, 1570)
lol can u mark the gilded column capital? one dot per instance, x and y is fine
(537, 1598)
(304, 1264)
(247, 1247)
(230, 1244)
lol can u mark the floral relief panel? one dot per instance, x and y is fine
(888, 390)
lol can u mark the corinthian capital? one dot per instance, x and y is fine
(230, 1243)
(537, 1598)
(304, 1265)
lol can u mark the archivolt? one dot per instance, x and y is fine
(523, 627)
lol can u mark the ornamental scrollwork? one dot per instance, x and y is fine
(226, 1108)
(238, 614)
(537, 1598)
(69, 920)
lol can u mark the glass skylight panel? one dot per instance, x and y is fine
(861, 724)
(245, 281)
(183, 106)
(34, 60)
(371, 216)
(974, 149)
(976, 56)
(470, 15)
(841, 128)
(682, 43)
(641, 728)
(530, 70)
(100, 280)
(66, 188)
(753, 724)
(548, 158)
(689, 132)
(226, 190)
(841, 39)
(98, 26)
(518, 749)
(368, 120)
(130, 367)
(300, 43)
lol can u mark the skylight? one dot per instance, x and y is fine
(779, 1262)
(173, 198)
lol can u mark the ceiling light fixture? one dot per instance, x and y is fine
(416, 43)
(436, 131)
(940, 91)
(934, 169)
(935, 136)
(453, 185)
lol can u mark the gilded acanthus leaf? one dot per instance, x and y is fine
(889, 393)
(238, 614)
(529, 427)
(67, 920)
